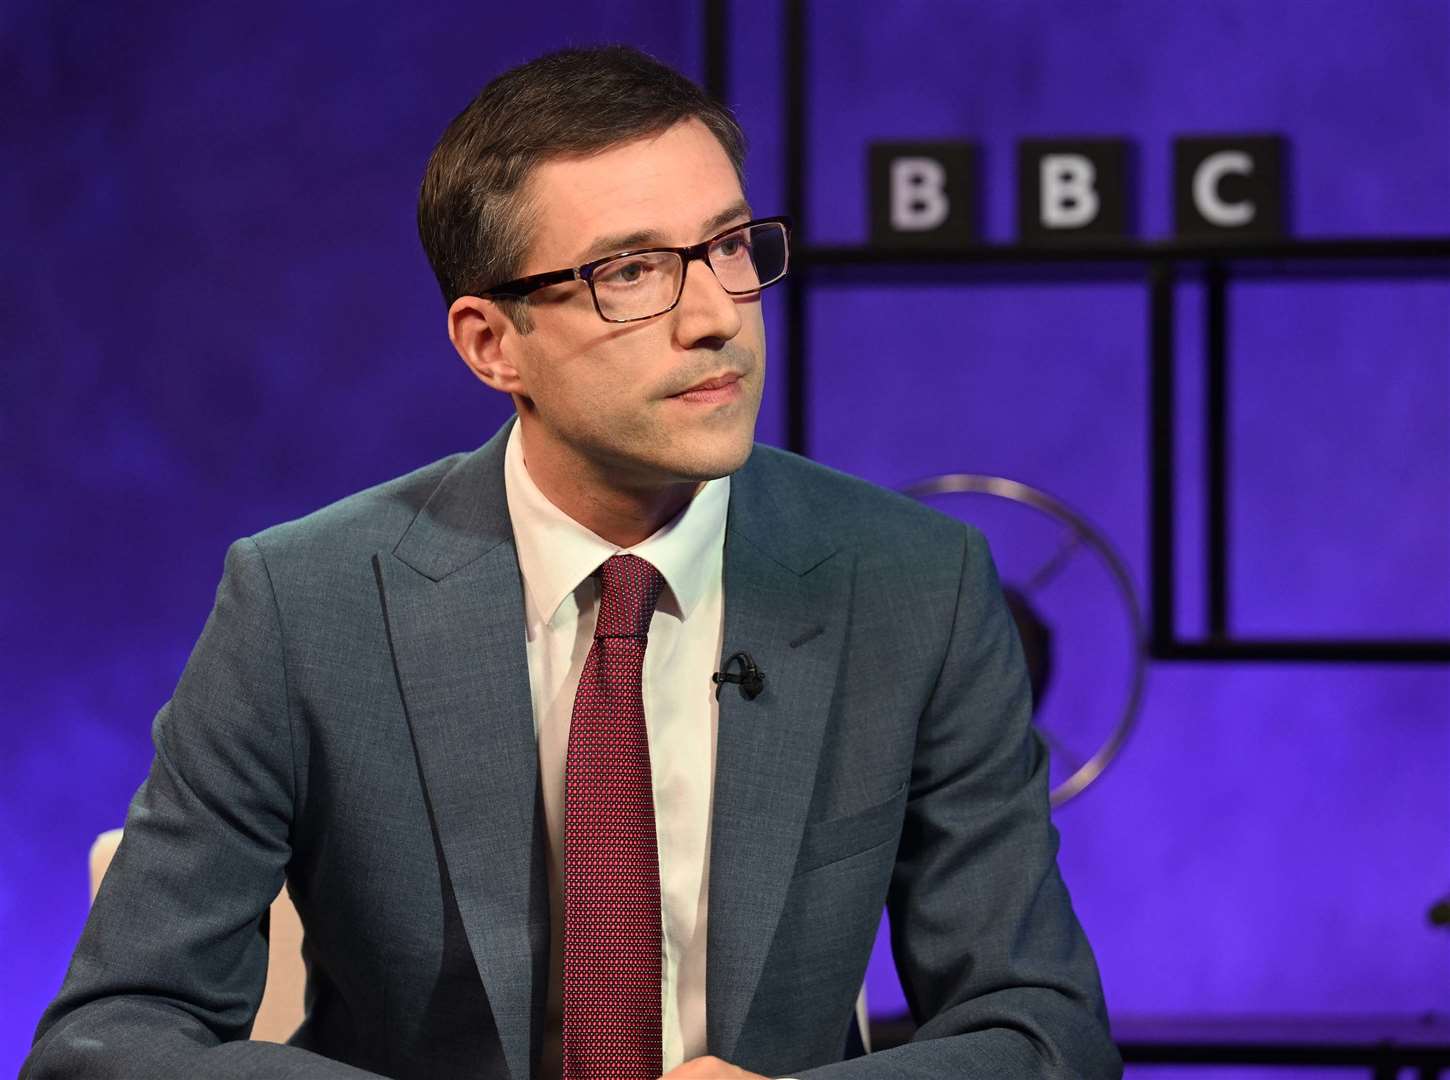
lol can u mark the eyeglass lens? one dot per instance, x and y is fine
(638, 286)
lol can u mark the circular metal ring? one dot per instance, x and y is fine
(1082, 532)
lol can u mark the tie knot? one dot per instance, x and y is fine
(629, 588)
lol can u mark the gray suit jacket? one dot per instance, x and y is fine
(356, 719)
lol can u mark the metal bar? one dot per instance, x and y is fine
(1160, 456)
(797, 439)
(1430, 249)
(1215, 432)
(1309, 650)
(1284, 1055)
(1009, 265)
(717, 49)
(796, 162)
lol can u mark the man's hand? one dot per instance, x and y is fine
(710, 1068)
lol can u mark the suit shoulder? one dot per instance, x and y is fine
(362, 522)
(857, 512)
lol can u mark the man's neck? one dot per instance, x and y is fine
(622, 515)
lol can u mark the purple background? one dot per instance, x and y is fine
(216, 316)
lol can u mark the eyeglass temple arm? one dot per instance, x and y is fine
(525, 285)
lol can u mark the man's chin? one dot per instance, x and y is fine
(717, 463)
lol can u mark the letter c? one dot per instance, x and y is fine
(1205, 189)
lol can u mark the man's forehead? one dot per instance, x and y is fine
(612, 242)
(673, 187)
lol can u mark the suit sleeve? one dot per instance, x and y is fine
(168, 974)
(994, 964)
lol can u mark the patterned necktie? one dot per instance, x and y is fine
(611, 869)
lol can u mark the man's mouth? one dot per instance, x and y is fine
(718, 388)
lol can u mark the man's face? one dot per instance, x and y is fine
(605, 398)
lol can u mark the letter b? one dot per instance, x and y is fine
(1071, 189)
(918, 194)
(1069, 200)
(922, 194)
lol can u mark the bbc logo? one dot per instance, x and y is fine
(924, 195)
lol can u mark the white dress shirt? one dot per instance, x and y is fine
(557, 555)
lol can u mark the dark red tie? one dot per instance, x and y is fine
(611, 869)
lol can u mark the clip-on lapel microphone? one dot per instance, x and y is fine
(750, 678)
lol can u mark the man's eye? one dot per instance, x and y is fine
(625, 273)
(731, 247)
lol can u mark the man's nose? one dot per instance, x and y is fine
(705, 309)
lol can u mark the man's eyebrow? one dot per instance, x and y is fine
(737, 214)
(641, 238)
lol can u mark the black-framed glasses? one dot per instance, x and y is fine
(634, 285)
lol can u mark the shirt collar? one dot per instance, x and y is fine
(556, 553)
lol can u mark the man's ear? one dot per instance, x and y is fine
(486, 338)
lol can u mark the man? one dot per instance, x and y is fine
(469, 715)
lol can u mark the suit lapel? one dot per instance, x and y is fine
(453, 602)
(787, 596)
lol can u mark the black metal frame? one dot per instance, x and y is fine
(717, 49)
(1159, 265)
(1384, 1046)
(1385, 1060)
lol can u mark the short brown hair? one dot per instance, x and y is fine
(472, 214)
